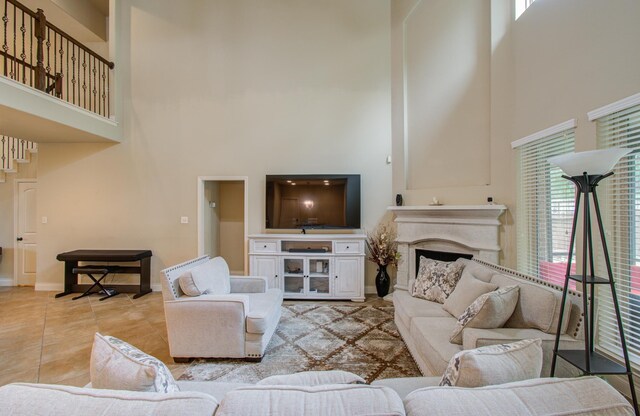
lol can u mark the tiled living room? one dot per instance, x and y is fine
(323, 207)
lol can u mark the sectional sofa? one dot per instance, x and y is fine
(426, 326)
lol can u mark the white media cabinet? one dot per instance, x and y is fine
(310, 266)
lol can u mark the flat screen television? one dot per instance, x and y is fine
(312, 202)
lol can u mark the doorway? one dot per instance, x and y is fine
(25, 232)
(223, 220)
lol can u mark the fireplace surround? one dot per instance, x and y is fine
(464, 229)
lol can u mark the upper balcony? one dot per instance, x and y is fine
(53, 86)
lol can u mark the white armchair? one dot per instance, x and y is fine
(235, 325)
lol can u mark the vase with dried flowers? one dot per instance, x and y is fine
(383, 250)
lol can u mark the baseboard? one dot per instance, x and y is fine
(50, 287)
(370, 290)
(156, 288)
(6, 281)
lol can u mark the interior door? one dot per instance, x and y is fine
(26, 236)
(289, 213)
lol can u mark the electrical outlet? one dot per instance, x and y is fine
(45, 220)
(184, 220)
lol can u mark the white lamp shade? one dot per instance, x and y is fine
(594, 162)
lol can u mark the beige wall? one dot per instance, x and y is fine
(558, 61)
(211, 219)
(252, 87)
(231, 213)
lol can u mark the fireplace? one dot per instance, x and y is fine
(448, 232)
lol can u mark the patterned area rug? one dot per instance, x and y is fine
(360, 339)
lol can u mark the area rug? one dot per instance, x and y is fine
(361, 339)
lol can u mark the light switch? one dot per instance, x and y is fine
(45, 220)
(184, 220)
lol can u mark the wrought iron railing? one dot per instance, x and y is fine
(39, 54)
(14, 150)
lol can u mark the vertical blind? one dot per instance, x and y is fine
(620, 203)
(545, 208)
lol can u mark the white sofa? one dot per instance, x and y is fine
(426, 327)
(578, 396)
(235, 325)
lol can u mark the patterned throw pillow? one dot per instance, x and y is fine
(490, 310)
(495, 364)
(117, 365)
(436, 279)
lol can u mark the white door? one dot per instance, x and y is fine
(26, 237)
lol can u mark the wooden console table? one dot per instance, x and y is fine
(143, 257)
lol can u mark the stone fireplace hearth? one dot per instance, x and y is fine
(465, 229)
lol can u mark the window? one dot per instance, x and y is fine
(618, 125)
(545, 204)
(521, 6)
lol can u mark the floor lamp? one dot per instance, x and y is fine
(586, 170)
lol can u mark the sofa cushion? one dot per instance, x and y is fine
(490, 310)
(431, 338)
(334, 399)
(211, 277)
(313, 378)
(405, 385)
(264, 309)
(120, 366)
(477, 270)
(217, 389)
(22, 399)
(495, 364)
(542, 396)
(407, 307)
(538, 306)
(436, 279)
(467, 290)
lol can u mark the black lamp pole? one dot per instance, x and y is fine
(590, 361)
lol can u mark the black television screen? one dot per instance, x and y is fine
(313, 202)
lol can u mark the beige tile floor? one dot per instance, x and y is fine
(48, 340)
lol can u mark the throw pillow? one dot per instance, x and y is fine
(436, 279)
(313, 378)
(211, 277)
(490, 310)
(495, 364)
(188, 285)
(117, 365)
(467, 290)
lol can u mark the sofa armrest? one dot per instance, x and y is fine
(476, 337)
(207, 325)
(248, 284)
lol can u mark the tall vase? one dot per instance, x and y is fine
(382, 281)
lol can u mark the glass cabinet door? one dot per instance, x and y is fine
(293, 276)
(319, 279)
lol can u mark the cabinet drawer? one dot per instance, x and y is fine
(268, 246)
(348, 247)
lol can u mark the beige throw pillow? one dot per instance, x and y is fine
(495, 364)
(467, 290)
(436, 280)
(490, 310)
(117, 365)
(211, 277)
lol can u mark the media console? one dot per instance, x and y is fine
(310, 266)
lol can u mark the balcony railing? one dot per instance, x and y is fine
(39, 54)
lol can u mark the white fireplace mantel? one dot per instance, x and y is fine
(468, 229)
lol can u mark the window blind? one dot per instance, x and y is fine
(545, 208)
(620, 203)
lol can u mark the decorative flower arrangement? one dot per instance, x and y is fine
(383, 248)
